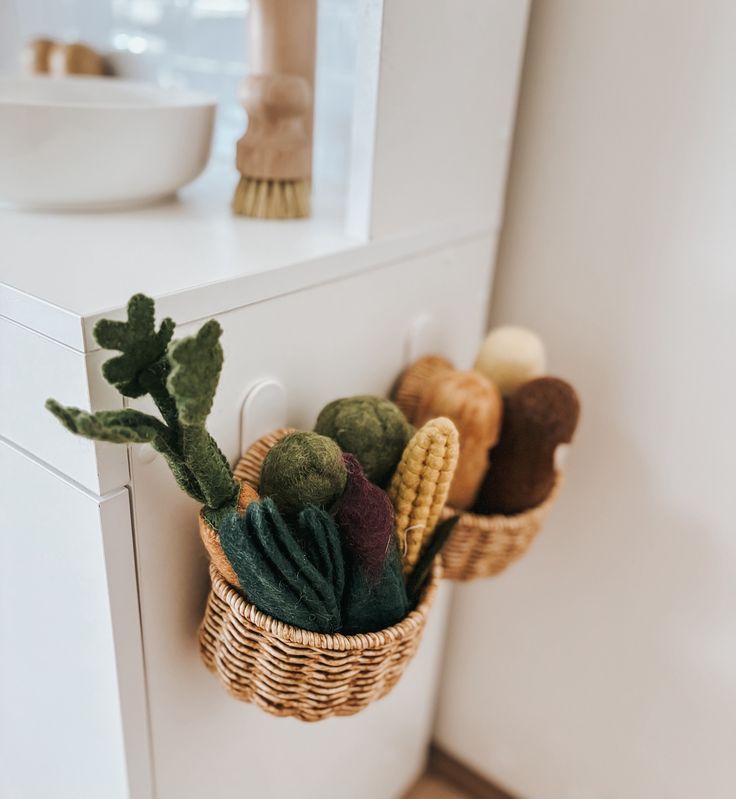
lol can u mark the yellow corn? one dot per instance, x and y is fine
(421, 483)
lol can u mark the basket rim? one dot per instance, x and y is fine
(511, 520)
(412, 623)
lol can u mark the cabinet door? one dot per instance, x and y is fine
(72, 699)
(347, 338)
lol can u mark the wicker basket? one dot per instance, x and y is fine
(288, 671)
(481, 546)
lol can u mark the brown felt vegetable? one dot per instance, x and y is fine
(413, 383)
(538, 416)
(474, 404)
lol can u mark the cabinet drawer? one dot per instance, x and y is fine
(34, 368)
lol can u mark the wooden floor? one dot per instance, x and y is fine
(448, 778)
(431, 787)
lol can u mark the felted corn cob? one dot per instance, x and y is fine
(420, 485)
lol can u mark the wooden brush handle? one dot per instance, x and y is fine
(279, 93)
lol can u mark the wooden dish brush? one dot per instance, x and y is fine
(274, 157)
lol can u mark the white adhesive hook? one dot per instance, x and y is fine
(423, 338)
(264, 410)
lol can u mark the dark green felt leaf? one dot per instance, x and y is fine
(196, 364)
(274, 571)
(143, 347)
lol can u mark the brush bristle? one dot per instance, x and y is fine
(272, 199)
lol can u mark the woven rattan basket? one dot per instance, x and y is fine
(481, 546)
(289, 671)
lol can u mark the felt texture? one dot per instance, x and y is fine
(538, 416)
(136, 371)
(211, 538)
(371, 428)
(248, 468)
(181, 378)
(423, 567)
(366, 520)
(421, 484)
(510, 356)
(275, 570)
(373, 605)
(303, 469)
(407, 393)
(475, 406)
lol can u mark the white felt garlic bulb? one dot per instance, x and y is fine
(511, 356)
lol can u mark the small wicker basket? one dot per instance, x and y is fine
(289, 671)
(481, 546)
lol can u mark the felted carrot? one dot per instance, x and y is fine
(211, 538)
(420, 485)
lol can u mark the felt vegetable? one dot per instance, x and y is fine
(475, 407)
(538, 416)
(366, 520)
(181, 378)
(248, 468)
(411, 385)
(369, 605)
(510, 356)
(371, 428)
(303, 469)
(211, 538)
(302, 587)
(420, 485)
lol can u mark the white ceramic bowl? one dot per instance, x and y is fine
(89, 143)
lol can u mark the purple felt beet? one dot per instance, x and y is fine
(366, 520)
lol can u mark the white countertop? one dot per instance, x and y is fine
(59, 273)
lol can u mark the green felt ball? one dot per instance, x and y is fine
(371, 428)
(303, 469)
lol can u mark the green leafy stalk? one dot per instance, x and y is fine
(196, 366)
(181, 378)
(129, 426)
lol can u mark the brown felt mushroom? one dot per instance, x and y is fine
(540, 415)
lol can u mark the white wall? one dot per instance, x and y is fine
(604, 665)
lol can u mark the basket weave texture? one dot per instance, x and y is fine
(289, 671)
(481, 546)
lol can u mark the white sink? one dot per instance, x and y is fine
(98, 143)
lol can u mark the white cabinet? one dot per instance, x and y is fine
(99, 665)
(72, 694)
